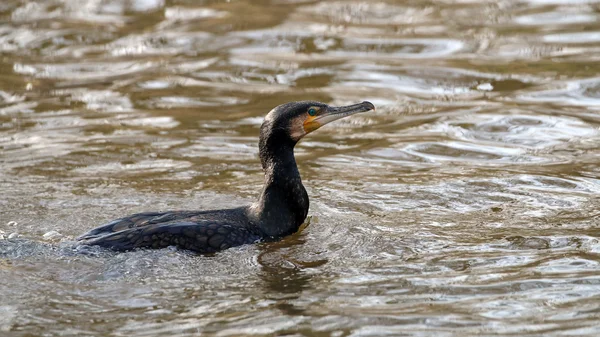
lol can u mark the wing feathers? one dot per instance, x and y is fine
(202, 237)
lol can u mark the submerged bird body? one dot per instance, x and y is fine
(279, 211)
(200, 231)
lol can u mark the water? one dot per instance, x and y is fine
(467, 204)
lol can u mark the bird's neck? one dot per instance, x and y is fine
(283, 203)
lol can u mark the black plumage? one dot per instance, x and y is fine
(279, 211)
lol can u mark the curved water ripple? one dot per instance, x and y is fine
(467, 204)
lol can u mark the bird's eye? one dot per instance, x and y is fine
(312, 111)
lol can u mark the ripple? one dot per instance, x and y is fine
(457, 151)
(144, 166)
(399, 83)
(27, 149)
(535, 195)
(585, 92)
(565, 3)
(146, 5)
(398, 48)
(82, 71)
(555, 18)
(7, 317)
(157, 122)
(72, 10)
(519, 242)
(349, 47)
(104, 101)
(456, 86)
(164, 43)
(568, 265)
(586, 37)
(230, 148)
(369, 13)
(22, 39)
(183, 13)
(169, 102)
(531, 131)
(461, 151)
(9, 98)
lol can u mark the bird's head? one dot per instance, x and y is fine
(297, 119)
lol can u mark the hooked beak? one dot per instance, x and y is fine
(334, 113)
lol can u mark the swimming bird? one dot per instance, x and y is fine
(279, 211)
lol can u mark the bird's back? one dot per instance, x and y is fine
(200, 231)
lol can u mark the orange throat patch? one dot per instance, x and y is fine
(302, 126)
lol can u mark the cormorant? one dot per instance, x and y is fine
(279, 211)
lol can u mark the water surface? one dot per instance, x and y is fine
(467, 204)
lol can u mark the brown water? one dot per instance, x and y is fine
(467, 204)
